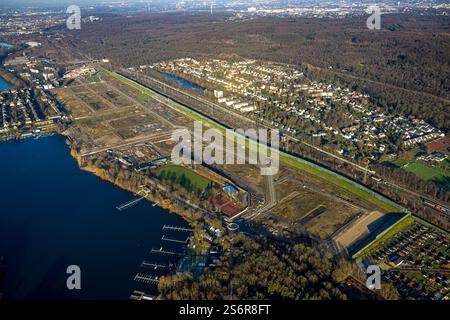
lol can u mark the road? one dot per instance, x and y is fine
(420, 269)
(270, 202)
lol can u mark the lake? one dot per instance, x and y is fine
(4, 85)
(52, 215)
(185, 83)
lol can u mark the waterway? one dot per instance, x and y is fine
(52, 215)
(185, 83)
(4, 85)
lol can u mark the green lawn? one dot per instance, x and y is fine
(426, 172)
(197, 181)
(143, 98)
(439, 175)
(286, 159)
(94, 78)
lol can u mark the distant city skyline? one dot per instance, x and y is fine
(279, 3)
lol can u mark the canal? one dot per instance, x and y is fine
(4, 85)
(185, 83)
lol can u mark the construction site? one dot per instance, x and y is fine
(128, 123)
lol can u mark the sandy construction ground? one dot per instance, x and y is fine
(360, 228)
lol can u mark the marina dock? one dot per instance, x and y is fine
(162, 251)
(164, 238)
(153, 265)
(145, 278)
(129, 204)
(175, 228)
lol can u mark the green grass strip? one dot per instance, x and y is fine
(385, 235)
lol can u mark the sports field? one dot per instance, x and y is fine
(197, 181)
(429, 173)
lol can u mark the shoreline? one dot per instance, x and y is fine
(164, 203)
(10, 79)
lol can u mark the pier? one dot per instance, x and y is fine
(145, 278)
(140, 295)
(152, 265)
(175, 228)
(144, 190)
(162, 251)
(129, 204)
(164, 238)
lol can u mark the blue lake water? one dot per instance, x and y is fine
(52, 215)
(185, 83)
(4, 85)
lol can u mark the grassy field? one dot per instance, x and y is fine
(437, 174)
(427, 172)
(95, 78)
(196, 180)
(300, 204)
(379, 241)
(286, 159)
(344, 183)
(143, 98)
